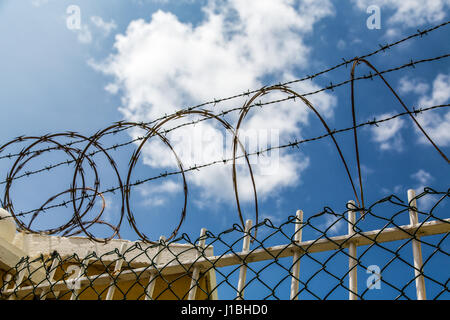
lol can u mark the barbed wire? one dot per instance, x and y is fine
(382, 48)
(422, 130)
(79, 190)
(258, 104)
(295, 143)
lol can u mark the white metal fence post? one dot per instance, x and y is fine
(19, 279)
(117, 268)
(51, 277)
(74, 283)
(152, 280)
(297, 255)
(196, 272)
(352, 260)
(243, 268)
(417, 250)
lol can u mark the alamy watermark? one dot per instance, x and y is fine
(204, 145)
(73, 20)
(374, 281)
(374, 20)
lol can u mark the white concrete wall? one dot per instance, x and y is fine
(33, 245)
(7, 225)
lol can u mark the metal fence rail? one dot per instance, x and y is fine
(406, 257)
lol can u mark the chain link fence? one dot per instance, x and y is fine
(404, 255)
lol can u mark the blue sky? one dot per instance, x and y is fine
(137, 60)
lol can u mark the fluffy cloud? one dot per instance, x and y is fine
(437, 124)
(38, 3)
(407, 85)
(341, 44)
(410, 13)
(164, 64)
(105, 27)
(157, 195)
(387, 134)
(440, 92)
(333, 224)
(422, 177)
(84, 34)
(85, 31)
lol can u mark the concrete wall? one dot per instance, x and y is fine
(15, 245)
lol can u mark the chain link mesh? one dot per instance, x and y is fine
(384, 260)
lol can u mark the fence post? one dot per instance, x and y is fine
(18, 279)
(83, 269)
(152, 280)
(352, 262)
(243, 268)
(417, 250)
(196, 271)
(297, 255)
(117, 268)
(51, 277)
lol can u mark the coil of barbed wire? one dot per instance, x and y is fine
(76, 220)
(76, 224)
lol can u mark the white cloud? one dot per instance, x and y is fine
(333, 224)
(392, 33)
(422, 177)
(427, 201)
(166, 186)
(396, 190)
(106, 27)
(387, 134)
(435, 123)
(38, 3)
(111, 210)
(112, 88)
(440, 93)
(409, 13)
(365, 170)
(142, 2)
(408, 85)
(84, 34)
(341, 44)
(157, 195)
(164, 64)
